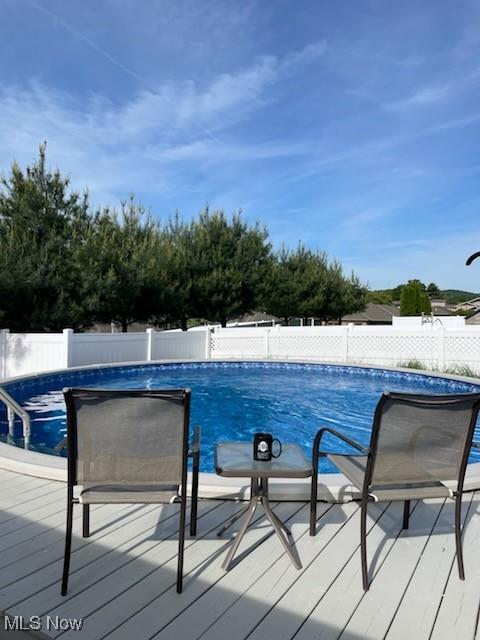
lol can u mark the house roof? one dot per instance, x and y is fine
(373, 313)
(474, 312)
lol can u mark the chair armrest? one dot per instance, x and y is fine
(340, 436)
(476, 445)
(194, 449)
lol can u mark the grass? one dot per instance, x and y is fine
(457, 370)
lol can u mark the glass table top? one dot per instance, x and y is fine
(235, 459)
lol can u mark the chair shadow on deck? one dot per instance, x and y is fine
(439, 516)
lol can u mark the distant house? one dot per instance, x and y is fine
(255, 319)
(373, 314)
(469, 305)
(473, 318)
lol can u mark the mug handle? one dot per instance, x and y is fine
(280, 445)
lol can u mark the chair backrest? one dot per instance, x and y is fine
(127, 436)
(421, 439)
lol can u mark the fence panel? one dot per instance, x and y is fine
(190, 345)
(437, 348)
(106, 348)
(32, 352)
(393, 347)
(462, 348)
(305, 343)
(239, 343)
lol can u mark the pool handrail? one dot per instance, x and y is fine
(13, 408)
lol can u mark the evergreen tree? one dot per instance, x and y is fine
(231, 262)
(433, 291)
(125, 278)
(296, 284)
(182, 267)
(42, 226)
(414, 300)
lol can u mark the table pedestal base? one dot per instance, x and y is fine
(258, 494)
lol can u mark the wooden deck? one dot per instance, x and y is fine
(122, 582)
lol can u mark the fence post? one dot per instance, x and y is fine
(67, 341)
(149, 354)
(4, 333)
(346, 339)
(266, 343)
(441, 348)
(208, 343)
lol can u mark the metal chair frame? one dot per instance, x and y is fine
(371, 452)
(192, 451)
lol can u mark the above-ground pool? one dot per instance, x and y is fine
(232, 400)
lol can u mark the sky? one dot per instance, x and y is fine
(350, 126)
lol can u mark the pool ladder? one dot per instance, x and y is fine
(13, 409)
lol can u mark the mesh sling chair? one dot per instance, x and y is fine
(129, 446)
(418, 449)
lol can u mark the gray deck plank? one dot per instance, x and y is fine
(377, 608)
(339, 589)
(290, 606)
(226, 591)
(163, 609)
(458, 611)
(418, 609)
(32, 534)
(123, 576)
(51, 500)
(158, 579)
(247, 596)
(40, 592)
(157, 574)
(106, 521)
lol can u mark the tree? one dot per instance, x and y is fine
(231, 262)
(425, 304)
(344, 295)
(296, 283)
(181, 270)
(379, 297)
(125, 279)
(414, 300)
(433, 291)
(303, 284)
(42, 226)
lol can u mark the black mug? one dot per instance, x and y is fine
(263, 445)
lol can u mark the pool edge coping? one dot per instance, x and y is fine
(331, 486)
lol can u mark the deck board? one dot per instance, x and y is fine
(122, 581)
(459, 607)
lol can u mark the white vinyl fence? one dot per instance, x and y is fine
(433, 347)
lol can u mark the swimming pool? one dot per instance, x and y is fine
(232, 400)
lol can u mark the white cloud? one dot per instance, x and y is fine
(423, 97)
(119, 149)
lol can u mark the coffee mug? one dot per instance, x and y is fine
(263, 447)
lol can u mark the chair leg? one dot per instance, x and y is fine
(458, 535)
(181, 541)
(193, 510)
(363, 543)
(313, 502)
(68, 544)
(406, 513)
(86, 521)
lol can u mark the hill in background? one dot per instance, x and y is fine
(455, 296)
(452, 296)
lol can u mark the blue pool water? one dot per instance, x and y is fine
(230, 401)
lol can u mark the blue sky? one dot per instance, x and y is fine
(352, 126)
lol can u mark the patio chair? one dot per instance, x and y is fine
(418, 449)
(129, 446)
